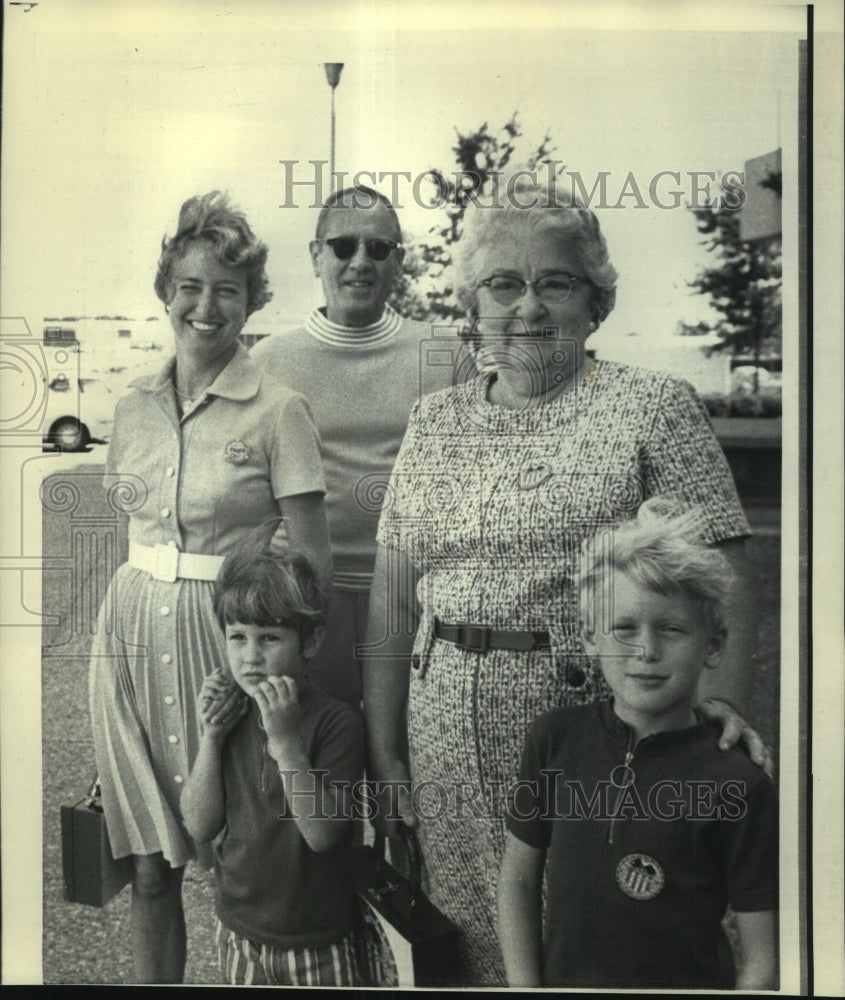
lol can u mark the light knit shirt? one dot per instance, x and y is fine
(361, 383)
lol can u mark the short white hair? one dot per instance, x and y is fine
(553, 207)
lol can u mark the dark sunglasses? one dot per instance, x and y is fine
(345, 247)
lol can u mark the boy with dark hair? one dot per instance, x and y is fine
(274, 784)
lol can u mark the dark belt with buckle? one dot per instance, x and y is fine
(480, 638)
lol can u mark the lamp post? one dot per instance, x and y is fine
(333, 71)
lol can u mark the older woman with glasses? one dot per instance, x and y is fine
(474, 626)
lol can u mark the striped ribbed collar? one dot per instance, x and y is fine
(380, 332)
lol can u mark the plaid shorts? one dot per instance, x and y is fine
(245, 963)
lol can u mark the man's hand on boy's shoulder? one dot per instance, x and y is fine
(222, 704)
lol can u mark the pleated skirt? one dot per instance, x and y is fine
(155, 644)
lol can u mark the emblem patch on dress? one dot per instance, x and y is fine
(237, 452)
(640, 876)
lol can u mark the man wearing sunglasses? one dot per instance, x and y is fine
(359, 365)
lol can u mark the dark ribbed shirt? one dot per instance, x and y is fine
(639, 873)
(271, 887)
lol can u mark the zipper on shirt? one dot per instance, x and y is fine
(629, 756)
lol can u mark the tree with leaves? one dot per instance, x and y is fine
(743, 283)
(426, 289)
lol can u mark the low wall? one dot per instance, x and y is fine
(752, 447)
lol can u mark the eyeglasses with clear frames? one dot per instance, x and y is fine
(554, 288)
(345, 247)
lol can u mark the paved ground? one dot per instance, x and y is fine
(83, 945)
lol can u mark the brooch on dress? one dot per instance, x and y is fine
(237, 452)
(534, 476)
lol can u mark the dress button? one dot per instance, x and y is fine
(576, 677)
(169, 699)
(166, 658)
(172, 739)
(165, 512)
(165, 611)
(415, 661)
(178, 779)
(170, 472)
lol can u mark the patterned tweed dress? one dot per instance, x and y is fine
(491, 505)
(202, 482)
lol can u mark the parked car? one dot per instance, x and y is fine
(80, 411)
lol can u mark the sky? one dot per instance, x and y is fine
(115, 114)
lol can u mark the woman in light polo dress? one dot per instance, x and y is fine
(201, 454)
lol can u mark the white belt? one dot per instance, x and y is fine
(167, 563)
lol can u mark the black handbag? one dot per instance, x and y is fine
(91, 874)
(404, 940)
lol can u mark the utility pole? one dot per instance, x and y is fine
(333, 71)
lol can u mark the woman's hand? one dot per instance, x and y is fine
(394, 802)
(386, 674)
(734, 729)
(222, 704)
(278, 701)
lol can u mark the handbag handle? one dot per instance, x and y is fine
(94, 797)
(412, 848)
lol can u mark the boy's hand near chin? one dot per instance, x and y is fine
(278, 701)
(222, 704)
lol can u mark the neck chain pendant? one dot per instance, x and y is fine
(621, 777)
